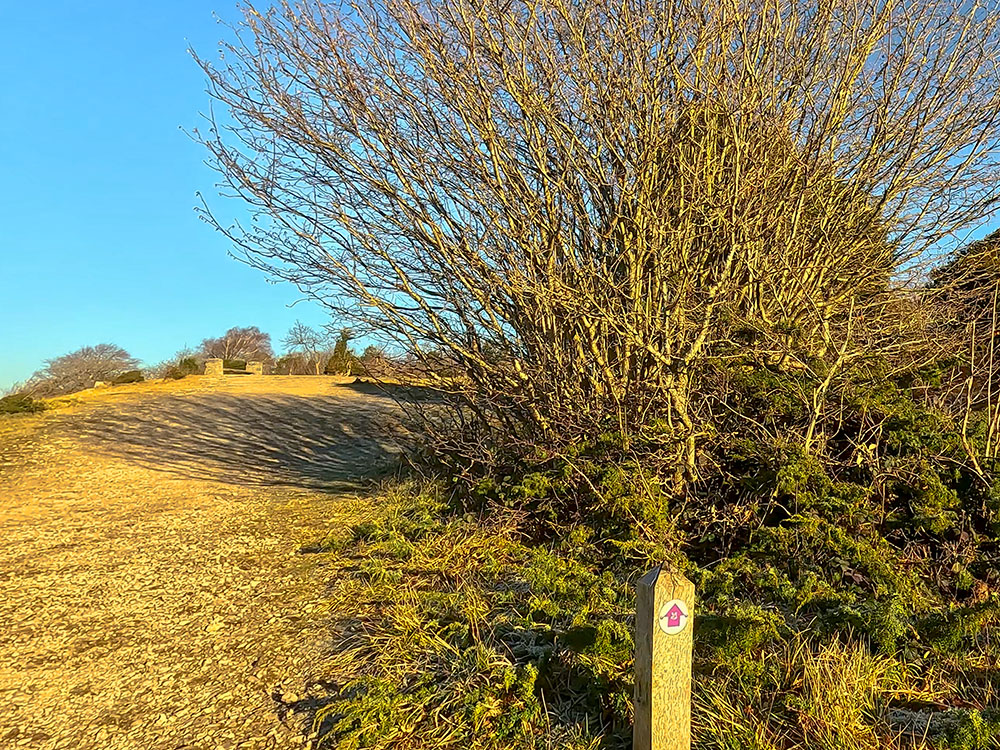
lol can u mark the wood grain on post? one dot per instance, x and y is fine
(664, 626)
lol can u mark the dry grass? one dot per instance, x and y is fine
(151, 587)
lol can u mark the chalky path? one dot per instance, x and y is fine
(152, 592)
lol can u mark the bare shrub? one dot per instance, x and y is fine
(966, 293)
(573, 207)
(311, 345)
(81, 369)
(249, 343)
(293, 364)
(185, 362)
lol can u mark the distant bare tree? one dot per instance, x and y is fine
(576, 204)
(248, 343)
(293, 363)
(81, 369)
(312, 344)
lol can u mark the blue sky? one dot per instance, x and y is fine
(99, 239)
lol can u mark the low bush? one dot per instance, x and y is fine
(132, 376)
(182, 368)
(20, 403)
(456, 632)
(188, 366)
(886, 530)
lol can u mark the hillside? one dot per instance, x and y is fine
(153, 591)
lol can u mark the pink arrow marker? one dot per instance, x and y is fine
(673, 617)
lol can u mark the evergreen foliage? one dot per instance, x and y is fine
(341, 360)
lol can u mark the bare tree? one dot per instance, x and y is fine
(312, 344)
(293, 363)
(578, 203)
(248, 343)
(80, 369)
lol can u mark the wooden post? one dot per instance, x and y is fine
(664, 624)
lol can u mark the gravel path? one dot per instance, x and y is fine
(152, 593)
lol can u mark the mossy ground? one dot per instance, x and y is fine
(453, 631)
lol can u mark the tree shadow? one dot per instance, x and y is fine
(316, 442)
(414, 394)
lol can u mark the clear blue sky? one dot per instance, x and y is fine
(98, 238)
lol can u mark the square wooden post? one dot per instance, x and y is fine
(664, 641)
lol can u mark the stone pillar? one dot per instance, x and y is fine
(213, 368)
(255, 368)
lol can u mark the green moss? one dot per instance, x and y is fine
(772, 395)
(955, 630)
(968, 730)
(739, 632)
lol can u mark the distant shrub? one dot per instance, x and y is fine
(183, 367)
(340, 362)
(20, 403)
(188, 366)
(132, 376)
(234, 364)
(333, 367)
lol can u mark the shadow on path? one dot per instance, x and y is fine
(315, 442)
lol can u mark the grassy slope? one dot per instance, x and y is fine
(450, 633)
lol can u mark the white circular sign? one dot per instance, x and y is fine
(673, 617)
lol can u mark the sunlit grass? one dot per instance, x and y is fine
(451, 632)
